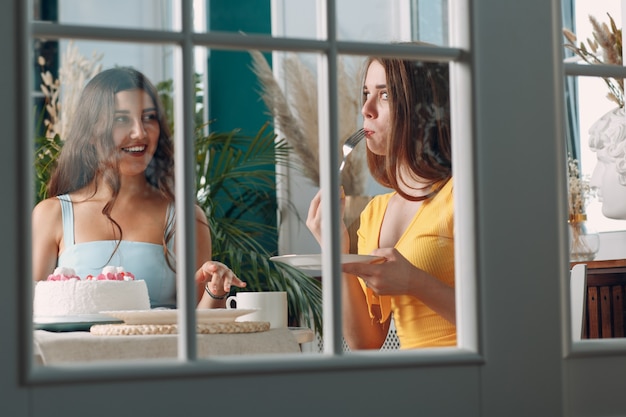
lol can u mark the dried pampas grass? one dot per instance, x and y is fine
(296, 115)
(74, 72)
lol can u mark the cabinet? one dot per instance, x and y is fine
(605, 307)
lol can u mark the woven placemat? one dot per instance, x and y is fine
(204, 328)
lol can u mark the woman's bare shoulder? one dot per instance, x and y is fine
(200, 215)
(47, 220)
(47, 210)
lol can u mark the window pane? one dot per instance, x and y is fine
(236, 157)
(131, 14)
(241, 154)
(595, 121)
(357, 20)
(301, 130)
(592, 105)
(590, 37)
(115, 123)
(392, 21)
(589, 98)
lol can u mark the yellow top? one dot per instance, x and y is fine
(428, 243)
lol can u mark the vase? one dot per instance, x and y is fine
(584, 243)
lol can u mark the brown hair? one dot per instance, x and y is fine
(419, 106)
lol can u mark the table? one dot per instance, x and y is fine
(53, 348)
(605, 310)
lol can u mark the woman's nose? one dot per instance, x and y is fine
(137, 130)
(369, 109)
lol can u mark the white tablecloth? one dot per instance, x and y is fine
(53, 348)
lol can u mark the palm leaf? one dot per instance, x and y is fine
(46, 154)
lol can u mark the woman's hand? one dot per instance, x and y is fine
(314, 218)
(393, 276)
(397, 276)
(218, 278)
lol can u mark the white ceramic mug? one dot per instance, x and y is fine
(271, 306)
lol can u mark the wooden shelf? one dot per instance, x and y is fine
(605, 308)
(610, 263)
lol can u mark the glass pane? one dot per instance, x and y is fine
(392, 21)
(240, 192)
(357, 20)
(595, 119)
(99, 132)
(592, 105)
(236, 155)
(592, 36)
(240, 161)
(251, 17)
(589, 98)
(298, 122)
(131, 14)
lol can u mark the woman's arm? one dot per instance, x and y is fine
(47, 232)
(210, 274)
(359, 329)
(397, 276)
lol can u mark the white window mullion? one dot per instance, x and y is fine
(329, 178)
(185, 194)
(462, 132)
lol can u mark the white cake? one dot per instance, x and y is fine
(65, 294)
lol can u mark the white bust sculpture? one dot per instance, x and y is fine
(607, 137)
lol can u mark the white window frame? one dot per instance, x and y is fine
(594, 347)
(329, 48)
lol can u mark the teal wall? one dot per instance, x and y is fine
(234, 101)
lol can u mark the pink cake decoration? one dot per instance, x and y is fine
(112, 273)
(63, 274)
(109, 273)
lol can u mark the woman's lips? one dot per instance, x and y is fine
(135, 150)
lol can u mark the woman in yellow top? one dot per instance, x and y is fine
(406, 111)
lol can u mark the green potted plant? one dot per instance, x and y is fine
(242, 168)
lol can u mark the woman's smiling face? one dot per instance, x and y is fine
(136, 130)
(375, 108)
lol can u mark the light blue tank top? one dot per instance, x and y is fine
(146, 261)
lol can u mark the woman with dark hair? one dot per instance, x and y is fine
(406, 117)
(113, 195)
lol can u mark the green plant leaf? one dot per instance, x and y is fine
(240, 170)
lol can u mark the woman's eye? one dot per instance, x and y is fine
(121, 119)
(149, 117)
(384, 95)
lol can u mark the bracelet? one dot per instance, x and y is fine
(213, 296)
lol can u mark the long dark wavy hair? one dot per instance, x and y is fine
(419, 106)
(89, 154)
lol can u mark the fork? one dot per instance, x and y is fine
(349, 145)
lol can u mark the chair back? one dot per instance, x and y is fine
(578, 299)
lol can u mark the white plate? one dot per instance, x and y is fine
(170, 316)
(314, 262)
